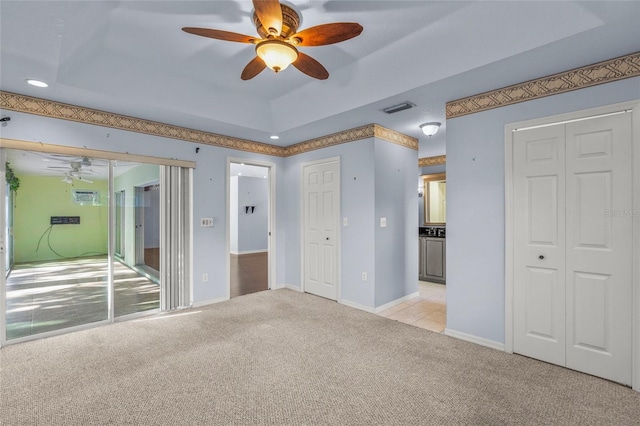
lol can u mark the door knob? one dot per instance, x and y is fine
(541, 257)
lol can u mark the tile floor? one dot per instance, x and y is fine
(47, 296)
(428, 311)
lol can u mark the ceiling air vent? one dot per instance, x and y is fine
(399, 107)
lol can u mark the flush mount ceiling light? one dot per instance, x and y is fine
(37, 83)
(430, 129)
(274, 137)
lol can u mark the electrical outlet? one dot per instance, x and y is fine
(205, 278)
(364, 276)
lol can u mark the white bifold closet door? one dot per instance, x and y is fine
(573, 245)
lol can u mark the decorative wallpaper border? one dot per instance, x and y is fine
(432, 161)
(364, 132)
(52, 109)
(395, 137)
(591, 75)
(338, 138)
(46, 108)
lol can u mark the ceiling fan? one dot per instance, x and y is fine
(75, 170)
(276, 48)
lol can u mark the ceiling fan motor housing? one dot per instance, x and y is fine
(290, 23)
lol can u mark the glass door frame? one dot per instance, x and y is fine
(111, 318)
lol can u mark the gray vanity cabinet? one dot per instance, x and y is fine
(432, 264)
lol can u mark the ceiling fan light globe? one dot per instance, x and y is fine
(276, 54)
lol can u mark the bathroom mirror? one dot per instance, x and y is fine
(435, 199)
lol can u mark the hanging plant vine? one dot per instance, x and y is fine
(12, 180)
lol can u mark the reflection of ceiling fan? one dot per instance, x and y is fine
(277, 25)
(75, 168)
(70, 176)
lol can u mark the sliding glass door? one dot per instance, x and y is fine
(59, 273)
(58, 222)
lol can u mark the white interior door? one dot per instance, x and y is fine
(599, 247)
(321, 210)
(573, 245)
(539, 244)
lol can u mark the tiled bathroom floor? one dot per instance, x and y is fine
(428, 311)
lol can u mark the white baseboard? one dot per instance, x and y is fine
(474, 339)
(209, 302)
(395, 302)
(248, 251)
(293, 287)
(357, 306)
(278, 286)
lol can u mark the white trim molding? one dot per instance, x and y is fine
(292, 287)
(207, 302)
(355, 305)
(474, 339)
(634, 107)
(393, 303)
(249, 252)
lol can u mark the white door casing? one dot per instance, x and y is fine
(593, 330)
(320, 227)
(271, 231)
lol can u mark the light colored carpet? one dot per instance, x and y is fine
(285, 358)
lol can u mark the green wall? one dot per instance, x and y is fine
(41, 197)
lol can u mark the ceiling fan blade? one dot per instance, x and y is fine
(327, 34)
(80, 178)
(220, 34)
(270, 14)
(253, 68)
(311, 67)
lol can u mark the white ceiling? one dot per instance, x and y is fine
(131, 57)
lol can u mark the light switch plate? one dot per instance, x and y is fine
(206, 222)
(345, 221)
(383, 222)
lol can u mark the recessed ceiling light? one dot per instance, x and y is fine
(37, 83)
(239, 174)
(274, 137)
(264, 177)
(242, 164)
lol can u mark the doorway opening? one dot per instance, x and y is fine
(250, 221)
(147, 235)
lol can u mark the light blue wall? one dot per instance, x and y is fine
(209, 185)
(396, 245)
(356, 203)
(475, 203)
(252, 227)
